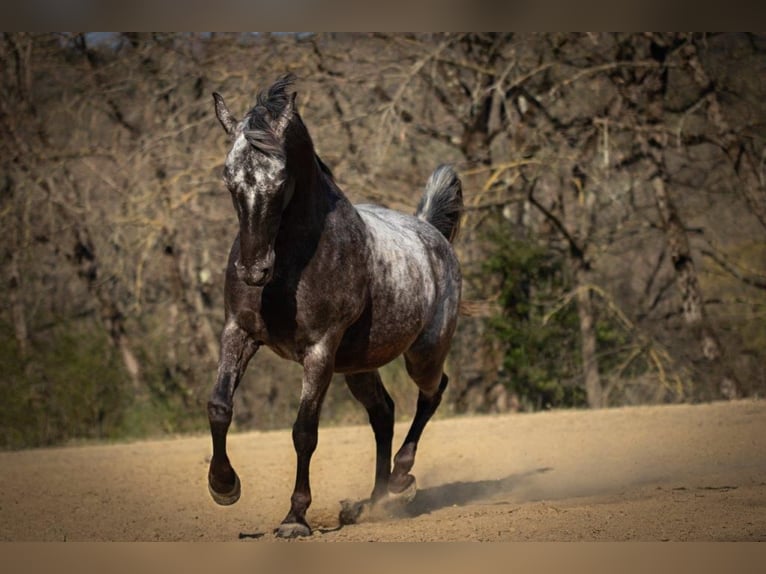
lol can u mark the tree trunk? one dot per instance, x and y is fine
(579, 262)
(692, 301)
(593, 389)
(717, 373)
(16, 231)
(18, 312)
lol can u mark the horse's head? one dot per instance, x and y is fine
(256, 175)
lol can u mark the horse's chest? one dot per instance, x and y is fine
(278, 331)
(289, 323)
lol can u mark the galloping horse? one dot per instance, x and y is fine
(332, 286)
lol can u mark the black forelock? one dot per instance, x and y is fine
(269, 105)
(271, 101)
(276, 97)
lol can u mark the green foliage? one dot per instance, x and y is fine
(541, 359)
(70, 386)
(73, 386)
(155, 416)
(171, 399)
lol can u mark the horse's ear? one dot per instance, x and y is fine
(284, 118)
(222, 113)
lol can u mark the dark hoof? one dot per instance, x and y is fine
(353, 512)
(403, 491)
(292, 530)
(402, 494)
(392, 504)
(225, 498)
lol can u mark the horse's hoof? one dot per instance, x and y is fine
(292, 530)
(226, 498)
(404, 495)
(353, 512)
(391, 505)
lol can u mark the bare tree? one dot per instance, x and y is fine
(635, 159)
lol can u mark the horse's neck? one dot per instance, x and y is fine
(313, 197)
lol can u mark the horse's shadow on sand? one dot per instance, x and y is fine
(461, 493)
(428, 500)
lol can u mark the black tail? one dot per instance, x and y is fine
(442, 202)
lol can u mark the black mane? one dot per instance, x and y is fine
(268, 107)
(271, 101)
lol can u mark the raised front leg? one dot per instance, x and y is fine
(237, 348)
(317, 373)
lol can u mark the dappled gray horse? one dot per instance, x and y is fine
(332, 286)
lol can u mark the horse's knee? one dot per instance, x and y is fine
(219, 412)
(432, 387)
(427, 371)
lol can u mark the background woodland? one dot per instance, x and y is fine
(613, 245)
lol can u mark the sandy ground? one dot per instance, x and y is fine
(646, 473)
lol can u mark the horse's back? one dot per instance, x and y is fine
(414, 289)
(408, 249)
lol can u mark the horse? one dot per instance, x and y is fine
(335, 287)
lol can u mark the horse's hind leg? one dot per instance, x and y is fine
(237, 348)
(368, 389)
(431, 381)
